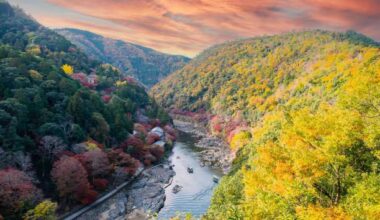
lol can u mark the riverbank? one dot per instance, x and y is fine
(214, 152)
(145, 195)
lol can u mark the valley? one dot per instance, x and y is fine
(277, 126)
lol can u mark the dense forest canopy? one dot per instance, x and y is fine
(301, 112)
(65, 121)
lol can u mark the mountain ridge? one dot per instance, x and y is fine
(300, 112)
(145, 64)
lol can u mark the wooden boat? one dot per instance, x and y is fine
(215, 179)
(190, 170)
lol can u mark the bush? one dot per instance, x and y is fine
(17, 192)
(43, 211)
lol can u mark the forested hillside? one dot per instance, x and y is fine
(65, 122)
(301, 111)
(145, 64)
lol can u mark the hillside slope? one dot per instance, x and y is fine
(145, 64)
(301, 112)
(60, 114)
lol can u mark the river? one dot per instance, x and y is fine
(197, 188)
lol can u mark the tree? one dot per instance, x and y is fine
(100, 128)
(69, 70)
(120, 159)
(151, 138)
(51, 147)
(96, 163)
(70, 178)
(43, 211)
(134, 146)
(17, 192)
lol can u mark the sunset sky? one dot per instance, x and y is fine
(188, 26)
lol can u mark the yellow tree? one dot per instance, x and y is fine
(69, 70)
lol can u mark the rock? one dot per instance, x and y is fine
(120, 205)
(137, 214)
(176, 189)
(147, 192)
(112, 214)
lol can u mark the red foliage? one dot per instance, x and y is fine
(135, 146)
(157, 151)
(147, 127)
(170, 137)
(170, 130)
(16, 189)
(100, 184)
(88, 197)
(67, 153)
(155, 122)
(96, 163)
(140, 128)
(216, 124)
(106, 98)
(130, 80)
(70, 178)
(121, 159)
(149, 159)
(151, 138)
(217, 128)
(133, 141)
(108, 91)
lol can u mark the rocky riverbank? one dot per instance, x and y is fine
(145, 195)
(214, 151)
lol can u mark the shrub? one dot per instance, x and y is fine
(17, 192)
(43, 211)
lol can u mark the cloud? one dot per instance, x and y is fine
(189, 26)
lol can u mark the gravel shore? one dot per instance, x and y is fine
(214, 151)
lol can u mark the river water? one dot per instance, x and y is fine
(197, 188)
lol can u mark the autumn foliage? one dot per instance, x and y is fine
(151, 138)
(70, 178)
(121, 159)
(96, 163)
(135, 146)
(17, 191)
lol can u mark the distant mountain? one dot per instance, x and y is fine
(145, 64)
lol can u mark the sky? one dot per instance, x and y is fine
(187, 27)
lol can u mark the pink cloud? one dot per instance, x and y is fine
(189, 26)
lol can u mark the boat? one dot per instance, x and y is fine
(215, 179)
(190, 170)
(176, 189)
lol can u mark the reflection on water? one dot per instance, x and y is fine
(197, 187)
